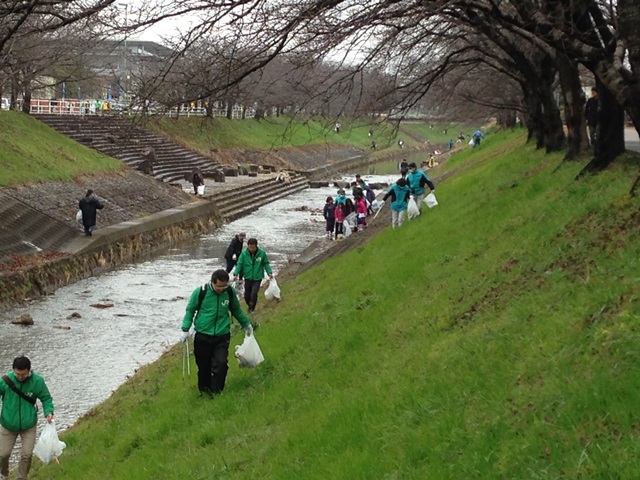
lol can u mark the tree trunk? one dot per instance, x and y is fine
(554, 138)
(209, 107)
(573, 107)
(259, 115)
(26, 99)
(15, 87)
(230, 103)
(609, 133)
(535, 122)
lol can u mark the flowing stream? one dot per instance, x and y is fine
(83, 360)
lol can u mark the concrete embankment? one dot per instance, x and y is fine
(26, 277)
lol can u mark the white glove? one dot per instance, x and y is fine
(381, 203)
(184, 336)
(233, 257)
(248, 330)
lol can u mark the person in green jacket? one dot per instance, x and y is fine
(208, 310)
(19, 415)
(252, 264)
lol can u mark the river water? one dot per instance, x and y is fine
(83, 360)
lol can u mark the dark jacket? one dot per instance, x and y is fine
(235, 248)
(89, 205)
(591, 112)
(328, 211)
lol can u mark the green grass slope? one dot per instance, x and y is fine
(31, 151)
(494, 337)
(204, 134)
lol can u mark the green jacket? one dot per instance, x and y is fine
(213, 317)
(18, 414)
(252, 268)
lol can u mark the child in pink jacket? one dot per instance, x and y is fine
(338, 214)
(361, 211)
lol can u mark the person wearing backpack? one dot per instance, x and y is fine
(208, 310)
(19, 390)
(417, 181)
(252, 265)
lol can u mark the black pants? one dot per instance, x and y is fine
(251, 289)
(211, 354)
(230, 264)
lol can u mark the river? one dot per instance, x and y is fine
(83, 360)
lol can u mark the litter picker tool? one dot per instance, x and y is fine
(381, 207)
(185, 360)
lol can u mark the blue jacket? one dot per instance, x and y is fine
(478, 134)
(399, 197)
(417, 181)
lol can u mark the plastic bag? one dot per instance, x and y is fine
(375, 206)
(346, 229)
(471, 142)
(273, 290)
(249, 354)
(430, 200)
(350, 219)
(79, 216)
(48, 446)
(200, 190)
(412, 209)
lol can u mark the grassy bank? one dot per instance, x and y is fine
(31, 151)
(206, 134)
(495, 337)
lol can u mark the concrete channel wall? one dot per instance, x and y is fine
(132, 239)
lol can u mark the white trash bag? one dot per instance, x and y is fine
(471, 142)
(200, 190)
(351, 219)
(249, 354)
(79, 216)
(346, 229)
(49, 446)
(273, 290)
(430, 200)
(412, 209)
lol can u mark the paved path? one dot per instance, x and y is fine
(631, 140)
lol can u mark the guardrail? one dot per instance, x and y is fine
(77, 107)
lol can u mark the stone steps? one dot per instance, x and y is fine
(241, 201)
(122, 139)
(25, 230)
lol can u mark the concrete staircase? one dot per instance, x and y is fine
(238, 201)
(25, 230)
(126, 140)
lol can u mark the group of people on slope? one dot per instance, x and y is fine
(354, 210)
(413, 183)
(211, 306)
